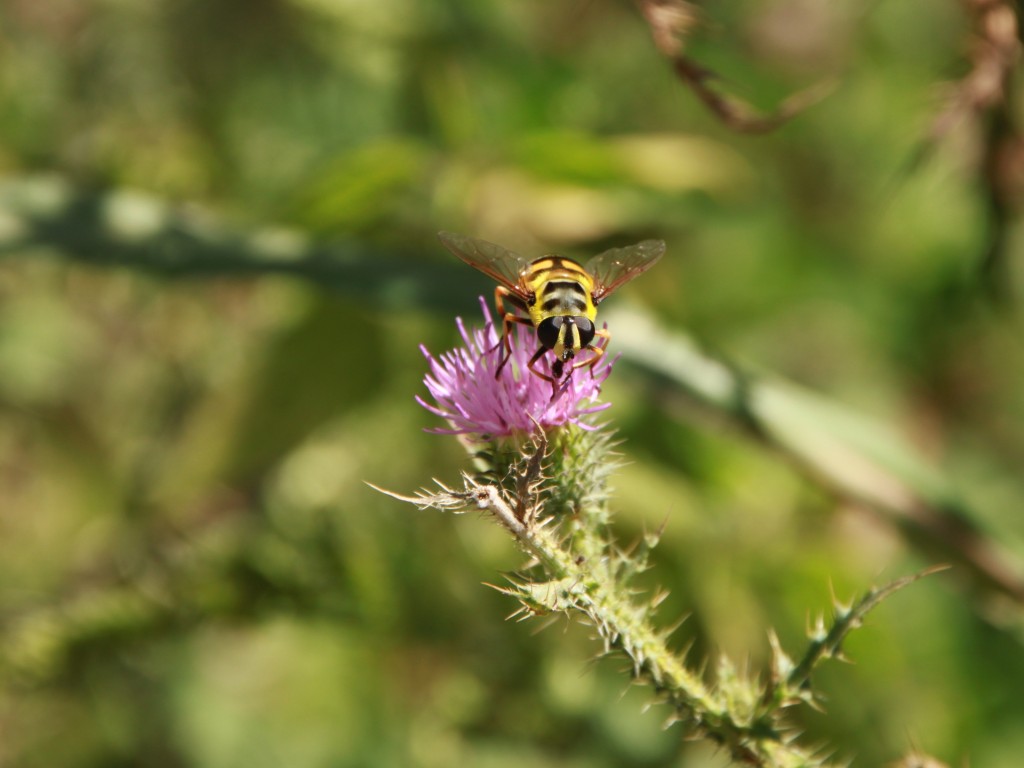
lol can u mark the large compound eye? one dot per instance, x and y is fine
(548, 330)
(586, 329)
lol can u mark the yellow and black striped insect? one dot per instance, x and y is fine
(554, 294)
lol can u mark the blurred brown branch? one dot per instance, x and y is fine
(671, 21)
(997, 54)
(995, 51)
(985, 96)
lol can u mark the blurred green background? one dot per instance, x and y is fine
(217, 223)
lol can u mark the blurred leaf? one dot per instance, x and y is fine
(363, 189)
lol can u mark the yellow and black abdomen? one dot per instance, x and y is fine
(562, 308)
(559, 286)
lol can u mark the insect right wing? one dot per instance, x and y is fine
(503, 265)
(620, 265)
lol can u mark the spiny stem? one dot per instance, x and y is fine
(828, 644)
(582, 584)
(549, 490)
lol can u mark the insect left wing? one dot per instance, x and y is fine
(620, 265)
(503, 265)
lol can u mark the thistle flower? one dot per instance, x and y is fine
(473, 402)
(550, 491)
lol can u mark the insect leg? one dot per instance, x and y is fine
(506, 335)
(533, 361)
(598, 349)
(501, 293)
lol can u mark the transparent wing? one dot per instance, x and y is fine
(620, 265)
(500, 263)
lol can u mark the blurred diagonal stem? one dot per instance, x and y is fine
(45, 215)
(847, 453)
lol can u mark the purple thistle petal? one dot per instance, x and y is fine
(467, 395)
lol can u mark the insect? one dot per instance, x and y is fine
(555, 295)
